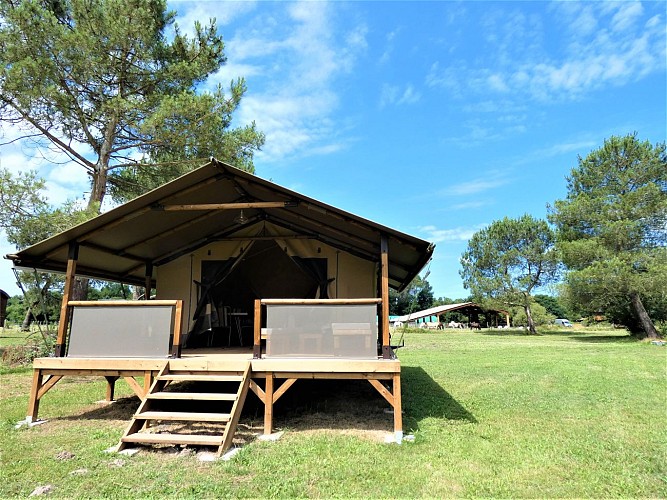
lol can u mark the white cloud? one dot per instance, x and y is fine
(438, 235)
(392, 94)
(293, 55)
(605, 44)
(490, 181)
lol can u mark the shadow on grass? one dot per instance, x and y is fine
(423, 397)
(330, 404)
(599, 339)
(506, 333)
(120, 409)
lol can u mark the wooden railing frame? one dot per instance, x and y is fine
(175, 347)
(257, 342)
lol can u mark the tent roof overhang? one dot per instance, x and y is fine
(163, 225)
(464, 307)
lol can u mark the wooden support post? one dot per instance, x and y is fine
(178, 324)
(149, 280)
(257, 342)
(70, 277)
(384, 288)
(398, 412)
(33, 404)
(111, 386)
(148, 381)
(268, 404)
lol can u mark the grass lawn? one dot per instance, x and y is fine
(567, 414)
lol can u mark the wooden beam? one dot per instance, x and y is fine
(111, 386)
(123, 303)
(33, 403)
(257, 337)
(268, 404)
(149, 280)
(46, 386)
(383, 391)
(134, 385)
(70, 277)
(229, 206)
(283, 389)
(398, 411)
(254, 387)
(178, 326)
(320, 301)
(384, 288)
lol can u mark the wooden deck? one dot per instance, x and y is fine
(270, 377)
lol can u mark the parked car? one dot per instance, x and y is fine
(563, 322)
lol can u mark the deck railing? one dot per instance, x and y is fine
(343, 328)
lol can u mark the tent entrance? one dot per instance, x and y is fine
(228, 289)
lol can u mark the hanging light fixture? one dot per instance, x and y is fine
(241, 218)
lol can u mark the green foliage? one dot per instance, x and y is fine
(505, 262)
(417, 296)
(25, 215)
(553, 305)
(109, 82)
(612, 232)
(539, 314)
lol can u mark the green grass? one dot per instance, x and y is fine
(567, 414)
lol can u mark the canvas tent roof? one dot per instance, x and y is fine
(464, 307)
(118, 244)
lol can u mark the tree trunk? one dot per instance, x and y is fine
(27, 320)
(529, 317)
(644, 319)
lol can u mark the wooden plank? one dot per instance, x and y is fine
(148, 381)
(111, 386)
(120, 364)
(134, 385)
(329, 376)
(178, 326)
(383, 391)
(283, 389)
(230, 206)
(33, 403)
(192, 396)
(384, 288)
(297, 302)
(257, 390)
(46, 386)
(70, 277)
(149, 280)
(398, 412)
(192, 439)
(123, 303)
(184, 416)
(237, 408)
(268, 404)
(180, 377)
(326, 365)
(257, 338)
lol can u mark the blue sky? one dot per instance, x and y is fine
(434, 118)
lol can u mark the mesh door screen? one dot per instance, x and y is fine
(117, 331)
(346, 331)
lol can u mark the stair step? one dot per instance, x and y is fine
(193, 396)
(183, 415)
(182, 377)
(193, 439)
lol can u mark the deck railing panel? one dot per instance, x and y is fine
(334, 328)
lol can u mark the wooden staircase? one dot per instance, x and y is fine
(201, 418)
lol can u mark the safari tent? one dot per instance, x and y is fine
(4, 298)
(247, 281)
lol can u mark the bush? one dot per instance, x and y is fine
(25, 354)
(539, 313)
